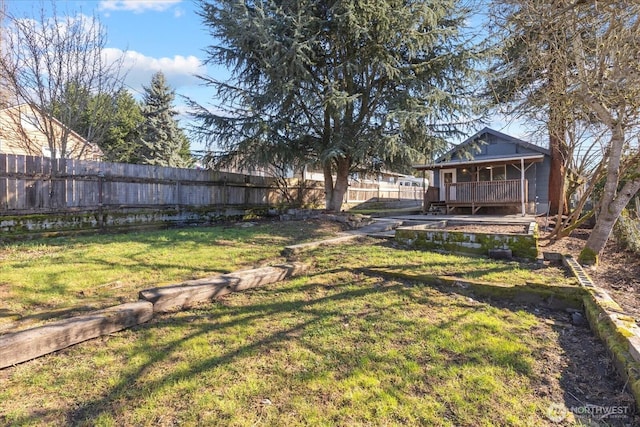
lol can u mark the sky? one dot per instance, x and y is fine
(153, 35)
(167, 36)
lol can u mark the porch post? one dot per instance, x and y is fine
(522, 185)
(424, 191)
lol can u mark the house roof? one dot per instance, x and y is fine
(94, 147)
(493, 160)
(441, 162)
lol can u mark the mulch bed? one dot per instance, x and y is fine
(575, 370)
(618, 270)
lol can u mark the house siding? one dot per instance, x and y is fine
(492, 149)
(542, 179)
(490, 144)
(19, 137)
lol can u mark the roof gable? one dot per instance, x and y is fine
(27, 107)
(491, 143)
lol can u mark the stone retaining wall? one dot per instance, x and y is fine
(19, 227)
(437, 237)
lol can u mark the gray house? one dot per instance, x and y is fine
(493, 172)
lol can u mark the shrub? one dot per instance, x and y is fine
(627, 232)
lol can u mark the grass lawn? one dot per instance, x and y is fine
(48, 279)
(332, 348)
(340, 346)
(43, 279)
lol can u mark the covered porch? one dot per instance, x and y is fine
(483, 182)
(512, 192)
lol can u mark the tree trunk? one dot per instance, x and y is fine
(557, 127)
(334, 192)
(613, 201)
(607, 218)
(557, 149)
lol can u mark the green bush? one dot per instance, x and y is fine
(627, 232)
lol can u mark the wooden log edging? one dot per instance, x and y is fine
(618, 331)
(192, 292)
(297, 249)
(29, 344)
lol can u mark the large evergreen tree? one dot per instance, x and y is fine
(111, 121)
(122, 142)
(341, 84)
(162, 141)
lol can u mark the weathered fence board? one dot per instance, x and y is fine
(43, 185)
(34, 184)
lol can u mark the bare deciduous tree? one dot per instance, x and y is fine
(592, 49)
(50, 63)
(607, 86)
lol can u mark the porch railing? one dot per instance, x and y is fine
(485, 192)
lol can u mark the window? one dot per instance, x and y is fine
(492, 173)
(484, 174)
(448, 177)
(499, 173)
(466, 175)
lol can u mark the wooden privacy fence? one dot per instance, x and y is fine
(38, 184)
(364, 192)
(43, 185)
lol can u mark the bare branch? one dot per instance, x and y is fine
(51, 63)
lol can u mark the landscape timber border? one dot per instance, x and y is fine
(21, 346)
(618, 330)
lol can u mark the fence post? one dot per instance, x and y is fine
(100, 200)
(225, 190)
(178, 195)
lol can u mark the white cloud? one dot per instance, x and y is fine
(179, 71)
(137, 6)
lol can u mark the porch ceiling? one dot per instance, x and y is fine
(494, 160)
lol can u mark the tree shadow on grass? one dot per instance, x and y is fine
(320, 304)
(310, 312)
(243, 316)
(419, 271)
